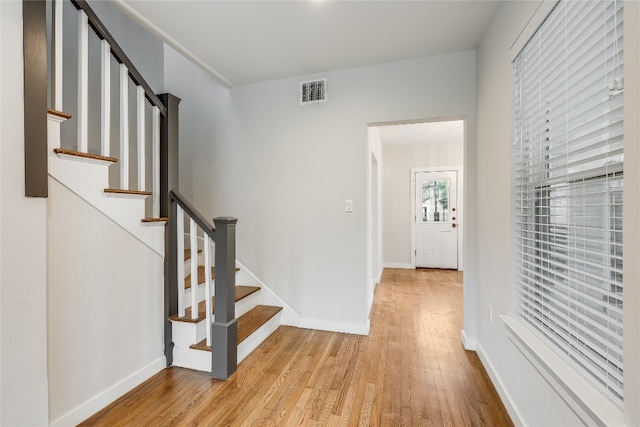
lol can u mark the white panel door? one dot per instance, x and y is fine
(436, 219)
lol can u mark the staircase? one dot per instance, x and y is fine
(256, 320)
(203, 314)
(87, 175)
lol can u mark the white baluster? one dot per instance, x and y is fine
(141, 138)
(180, 255)
(57, 54)
(124, 127)
(83, 81)
(207, 278)
(105, 88)
(155, 161)
(193, 233)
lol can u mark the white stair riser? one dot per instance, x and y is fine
(255, 339)
(191, 333)
(186, 334)
(187, 264)
(200, 360)
(186, 357)
(201, 293)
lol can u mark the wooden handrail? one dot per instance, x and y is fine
(118, 53)
(205, 225)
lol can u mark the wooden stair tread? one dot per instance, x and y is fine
(201, 278)
(127, 192)
(61, 114)
(241, 292)
(74, 153)
(247, 324)
(187, 254)
(161, 219)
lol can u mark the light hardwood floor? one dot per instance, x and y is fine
(410, 371)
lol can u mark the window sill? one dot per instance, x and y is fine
(588, 403)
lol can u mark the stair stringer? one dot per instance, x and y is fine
(288, 316)
(245, 276)
(88, 180)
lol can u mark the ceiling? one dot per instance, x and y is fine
(243, 42)
(430, 132)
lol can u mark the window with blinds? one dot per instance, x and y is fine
(568, 188)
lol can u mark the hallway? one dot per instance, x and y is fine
(410, 371)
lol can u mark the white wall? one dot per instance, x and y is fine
(398, 161)
(23, 345)
(206, 117)
(105, 308)
(523, 389)
(144, 49)
(286, 170)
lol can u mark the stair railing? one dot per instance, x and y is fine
(145, 98)
(222, 329)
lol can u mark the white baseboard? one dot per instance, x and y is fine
(398, 265)
(515, 415)
(332, 326)
(101, 400)
(467, 343)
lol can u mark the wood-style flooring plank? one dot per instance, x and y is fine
(410, 371)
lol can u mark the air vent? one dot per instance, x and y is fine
(313, 92)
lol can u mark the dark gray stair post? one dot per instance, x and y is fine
(36, 182)
(224, 331)
(169, 150)
(169, 181)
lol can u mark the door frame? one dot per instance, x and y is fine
(460, 207)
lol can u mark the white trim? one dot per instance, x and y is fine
(124, 127)
(57, 53)
(82, 117)
(105, 91)
(374, 215)
(507, 401)
(460, 197)
(170, 41)
(155, 161)
(467, 343)
(586, 402)
(141, 137)
(399, 265)
(101, 400)
(538, 17)
(333, 326)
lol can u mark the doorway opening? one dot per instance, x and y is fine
(406, 153)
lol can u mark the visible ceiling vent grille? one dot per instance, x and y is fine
(313, 92)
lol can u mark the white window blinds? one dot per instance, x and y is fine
(567, 184)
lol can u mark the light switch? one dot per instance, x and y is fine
(348, 205)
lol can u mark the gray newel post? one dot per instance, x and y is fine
(224, 333)
(169, 181)
(169, 150)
